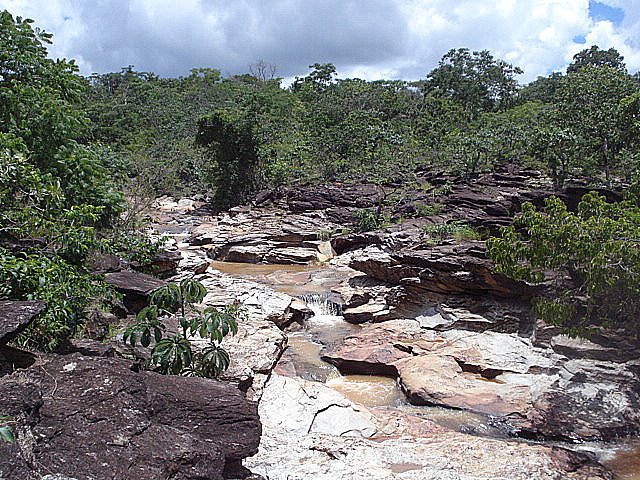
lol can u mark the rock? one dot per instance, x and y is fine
(448, 269)
(14, 358)
(439, 380)
(96, 417)
(373, 350)
(98, 324)
(101, 263)
(574, 347)
(163, 264)
(15, 316)
(533, 390)
(291, 450)
(135, 287)
(371, 311)
(301, 407)
(292, 255)
(246, 253)
(256, 348)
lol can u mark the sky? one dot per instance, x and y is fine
(370, 39)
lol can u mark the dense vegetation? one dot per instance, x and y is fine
(590, 257)
(59, 201)
(234, 136)
(70, 145)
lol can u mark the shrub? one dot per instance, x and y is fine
(593, 253)
(174, 355)
(428, 210)
(457, 230)
(369, 219)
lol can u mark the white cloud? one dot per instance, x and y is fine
(367, 38)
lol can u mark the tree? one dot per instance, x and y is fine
(542, 89)
(476, 80)
(591, 255)
(58, 194)
(591, 102)
(595, 57)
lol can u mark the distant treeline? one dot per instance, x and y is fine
(235, 135)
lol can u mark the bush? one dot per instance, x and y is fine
(459, 231)
(592, 254)
(368, 219)
(174, 355)
(67, 291)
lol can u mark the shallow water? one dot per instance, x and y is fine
(326, 328)
(369, 390)
(625, 462)
(305, 354)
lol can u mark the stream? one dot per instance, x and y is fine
(312, 284)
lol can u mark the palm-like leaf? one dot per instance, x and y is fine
(172, 354)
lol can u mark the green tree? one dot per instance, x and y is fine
(591, 254)
(595, 57)
(476, 80)
(591, 102)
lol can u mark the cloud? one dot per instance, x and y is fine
(365, 38)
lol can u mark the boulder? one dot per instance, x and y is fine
(448, 269)
(302, 407)
(373, 351)
(135, 287)
(292, 255)
(90, 417)
(163, 264)
(15, 316)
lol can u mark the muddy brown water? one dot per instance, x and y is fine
(625, 463)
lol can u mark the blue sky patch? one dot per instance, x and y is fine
(599, 11)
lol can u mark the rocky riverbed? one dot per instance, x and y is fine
(393, 358)
(364, 356)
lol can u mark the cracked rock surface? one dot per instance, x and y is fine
(94, 418)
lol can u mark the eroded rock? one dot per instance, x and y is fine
(96, 418)
(15, 316)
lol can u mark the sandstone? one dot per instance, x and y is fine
(96, 418)
(15, 316)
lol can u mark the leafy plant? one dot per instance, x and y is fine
(6, 435)
(458, 230)
(369, 219)
(428, 210)
(592, 254)
(174, 355)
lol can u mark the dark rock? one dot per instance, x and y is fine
(98, 324)
(15, 316)
(13, 358)
(87, 348)
(101, 263)
(135, 287)
(88, 417)
(164, 264)
(448, 269)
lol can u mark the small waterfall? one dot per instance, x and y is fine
(321, 304)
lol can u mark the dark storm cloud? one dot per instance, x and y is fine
(231, 35)
(371, 39)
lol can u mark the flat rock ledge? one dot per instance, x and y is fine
(311, 431)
